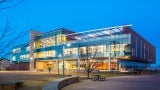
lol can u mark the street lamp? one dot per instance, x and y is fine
(63, 61)
(63, 48)
(78, 60)
(109, 59)
(58, 62)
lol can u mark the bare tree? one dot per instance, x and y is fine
(5, 4)
(9, 36)
(90, 60)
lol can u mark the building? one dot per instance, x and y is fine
(4, 64)
(114, 48)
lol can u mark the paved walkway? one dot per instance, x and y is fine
(145, 82)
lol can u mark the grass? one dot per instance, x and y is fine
(31, 80)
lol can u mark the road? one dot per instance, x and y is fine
(142, 82)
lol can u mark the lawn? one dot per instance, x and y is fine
(32, 80)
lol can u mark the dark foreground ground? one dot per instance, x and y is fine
(140, 82)
(32, 80)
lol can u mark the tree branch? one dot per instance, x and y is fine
(6, 2)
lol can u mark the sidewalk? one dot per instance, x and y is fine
(146, 82)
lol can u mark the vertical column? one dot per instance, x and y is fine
(56, 64)
(119, 65)
(32, 35)
(109, 59)
(63, 61)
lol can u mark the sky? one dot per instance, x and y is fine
(82, 15)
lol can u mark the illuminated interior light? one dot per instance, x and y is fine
(116, 30)
(91, 35)
(124, 44)
(59, 55)
(106, 32)
(68, 44)
(78, 38)
(98, 34)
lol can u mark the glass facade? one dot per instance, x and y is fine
(100, 44)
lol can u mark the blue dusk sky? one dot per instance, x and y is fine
(81, 15)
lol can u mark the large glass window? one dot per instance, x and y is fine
(16, 50)
(71, 51)
(115, 47)
(46, 42)
(99, 48)
(127, 51)
(26, 56)
(93, 49)
(61, 38)
(82, 50)
(28, 48)
(14, 58)
(38, 44)
(45, 54)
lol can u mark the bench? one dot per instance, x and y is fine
(98, 77)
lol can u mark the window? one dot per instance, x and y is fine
(115, 47)
(63, 38)
(58, 39)
(45, 54)
(28, 48)
(16, 50)
(13, 58)
(127, 51)
(71, 51)
(82, 50)
(46, 42)
(100, 48)
(92, 49)
(24, 56)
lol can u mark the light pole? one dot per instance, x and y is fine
(63, 61)
(58, 62)
(78, 60)
(63, 48)
(109, 59)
